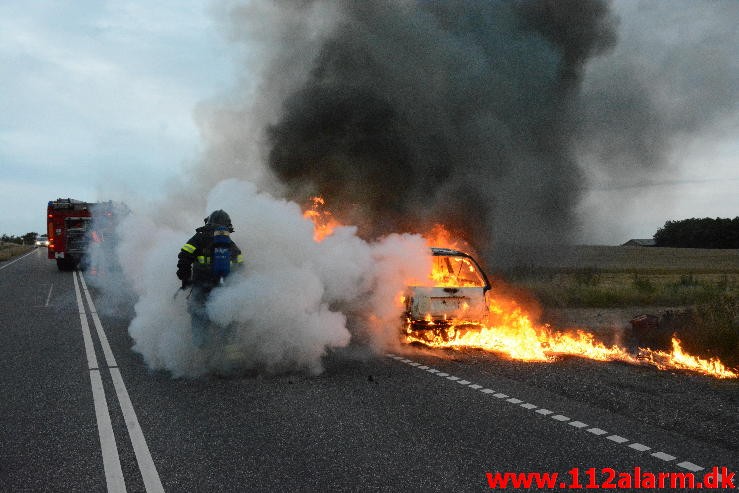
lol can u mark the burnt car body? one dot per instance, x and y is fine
(457, 292)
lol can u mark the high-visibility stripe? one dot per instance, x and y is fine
(189, 248)
(240, 259)
(201, 259)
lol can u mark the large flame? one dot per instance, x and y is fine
(508, 329)
(323, 221)
(511, 332)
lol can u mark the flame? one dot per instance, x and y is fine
(323, 221)
(441, 237)
(511, 332)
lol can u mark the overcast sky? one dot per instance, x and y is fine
(97, 101)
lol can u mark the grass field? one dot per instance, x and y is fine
(10, 250)
(603, 277)
(700, 286)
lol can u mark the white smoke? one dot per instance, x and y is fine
(294, 300)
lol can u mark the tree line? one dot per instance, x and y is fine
(26, 239)
(699, 233)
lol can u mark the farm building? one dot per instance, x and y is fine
(640, 243)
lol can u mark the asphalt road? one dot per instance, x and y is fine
(85, 418)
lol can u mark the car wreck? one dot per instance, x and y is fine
(456, 292)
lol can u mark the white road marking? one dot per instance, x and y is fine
(109, 359)
(16, 260)
(92, 362)
(111, 461)
(149, 474)
(559, 417)
(48, 298)
(640, 447)
(665, 457)
(617, 439)
(690, 466)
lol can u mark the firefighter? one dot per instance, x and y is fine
(204, 261)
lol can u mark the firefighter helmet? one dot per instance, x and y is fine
(219, 218)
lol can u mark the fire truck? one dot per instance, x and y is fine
(68, 222)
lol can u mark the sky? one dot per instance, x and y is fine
(98, 101)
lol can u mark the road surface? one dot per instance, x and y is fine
(81, 412)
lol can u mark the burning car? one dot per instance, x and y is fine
(457, 291)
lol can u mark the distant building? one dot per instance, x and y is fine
(640, 243)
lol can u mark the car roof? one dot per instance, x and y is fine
(447, 251)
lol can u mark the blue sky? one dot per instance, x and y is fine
(97, 101)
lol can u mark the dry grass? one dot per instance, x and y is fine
(704, 282)
(600, 276)
(10, 250)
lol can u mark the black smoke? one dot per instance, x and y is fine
(462, 113)
(502, 119)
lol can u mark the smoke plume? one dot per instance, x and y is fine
(461, 113)
(295, 299)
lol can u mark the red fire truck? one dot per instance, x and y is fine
(68, 221)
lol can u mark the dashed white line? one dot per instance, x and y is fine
(48, 298)
(690, 466)
(665, 457)
(617, 439)
(640, 447)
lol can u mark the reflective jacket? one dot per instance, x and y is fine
(196, 255)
